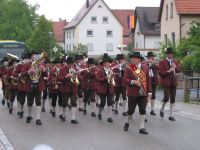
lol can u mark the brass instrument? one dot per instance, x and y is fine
(74, 78)
(14, 81)
(110, 79)
(36, 71)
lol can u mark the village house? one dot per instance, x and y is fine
(95, 26)
(176, 17)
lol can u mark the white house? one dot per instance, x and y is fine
(147, 29)
(96, 27)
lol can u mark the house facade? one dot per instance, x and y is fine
(176, 17)
(147, 29)
(96, 27)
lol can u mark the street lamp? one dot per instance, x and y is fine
(50, 42)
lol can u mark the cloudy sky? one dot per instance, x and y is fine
(66, 9)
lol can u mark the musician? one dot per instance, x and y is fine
(78, 65)
(36, 86)
(89, 82)
(120, 87)
(167, 70)
(68, 89)
(54, 88)
(153, 73)
(138, 88)
(105, 89)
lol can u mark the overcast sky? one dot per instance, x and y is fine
(66, 9)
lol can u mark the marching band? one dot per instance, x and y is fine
(78, 83)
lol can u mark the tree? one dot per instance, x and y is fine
(40, 39)
(79, 49)
(17, 19)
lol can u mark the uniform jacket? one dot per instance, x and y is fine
(154, 79)
(119, 75)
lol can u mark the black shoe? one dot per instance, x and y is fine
(80, 109)
(161, 114)
(10, 111)
(113, 109)
(146, 120)
(18, 113)
(21, 115)
(110, 120)
(63, 118)
(143, 131)
(28, 119)
(51, 111)
(126, 126)
(99, 117)
(38, 122)
(43, 109)
(85, 112)
(3, 102)
(53, 114)
(120, 104)
(152, 113)
(93, 114)
(116, 112)
(172, 119)
(125, 114)
(60, 116)
(97, 104)
(74, 121)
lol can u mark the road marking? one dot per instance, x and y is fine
(4, 142)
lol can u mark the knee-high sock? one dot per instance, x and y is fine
(73, 113)
(43, 103)
(50, 103)
(129, 119)
(116, 105)
(142, 120)
(80, 103)
(163, 106)
(38, 112)
(152, 104)
(171, 109)
(64, 111)
(29, 111)
(93, 106)
(19, 106)
(124, 105)
(109, 111)
(85, 105)
(60, 110)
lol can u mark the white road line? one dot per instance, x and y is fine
(4, 142)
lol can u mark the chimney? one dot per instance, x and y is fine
(87, 3)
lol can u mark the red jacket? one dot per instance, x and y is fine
(133, 90)
(154, 79)
(53, 81)
(119, 76)
(168, 79)
(66, 85)
(88, 79)
(9, 74)
(103, 86)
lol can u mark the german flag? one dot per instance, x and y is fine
(131, 22)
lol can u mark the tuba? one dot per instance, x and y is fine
(110, 79)
(37, 72)
(74, 78)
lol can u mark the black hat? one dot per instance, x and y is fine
(85, 55)
(91, 61)
(150, 54)
(78, 57)
(135, 54)
(119, 57)
(69, 60)
(106, 58)
(32, 53)
(169, 50)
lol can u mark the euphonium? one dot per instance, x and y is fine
(110, 78)
(74, 78)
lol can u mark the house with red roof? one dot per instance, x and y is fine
(176, 17)
(97, 27)
(58, 31)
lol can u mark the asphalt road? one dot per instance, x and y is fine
(92, 134)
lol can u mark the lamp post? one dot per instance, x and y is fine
(50, 42)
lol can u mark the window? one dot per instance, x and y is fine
(156, 44)
(109, 47)
(171, 10)
(89, 33)
(70, 34)
(67, 35)
(73, 34)
(105, 19)
(90, 47)
(93, 19)
(157, 27)
(69, 46)
(99, 6)
(173, 38)
(136, 45)
(109, 33)
(166, 12)
(166, 40)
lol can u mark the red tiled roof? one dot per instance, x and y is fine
(58, 30)
(122, 15)
(187, 6)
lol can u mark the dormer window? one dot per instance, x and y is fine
(171, 10)
(157, 27)
(166, 12)
(94, 19)
(99, 6)
(105, 19)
